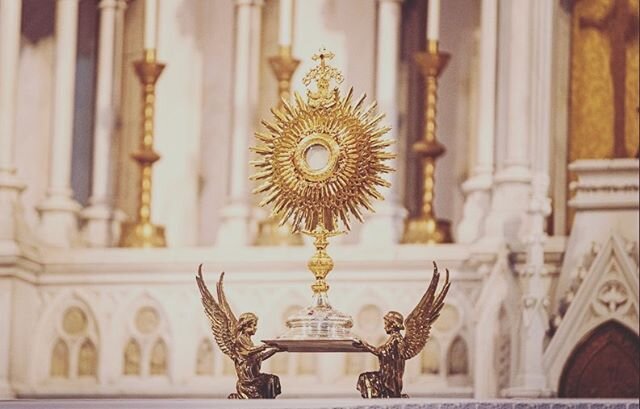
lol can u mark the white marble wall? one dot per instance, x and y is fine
(110, 287)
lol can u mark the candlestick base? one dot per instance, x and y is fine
(142, 235)
(426, 230)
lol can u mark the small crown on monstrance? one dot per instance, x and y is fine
(322, 74)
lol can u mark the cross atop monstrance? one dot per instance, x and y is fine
(322, 74)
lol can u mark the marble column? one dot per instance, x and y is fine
(10, 185)
(98, 230)
(531, 379)
(385, 226)
(477, 188)
(510, 197)
(58, 211)
(235, 225)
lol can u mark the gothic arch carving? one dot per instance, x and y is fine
(67, 340)
(609, 292)
(146, 338)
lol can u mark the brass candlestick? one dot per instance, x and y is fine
(426, 228)
(141, 232)
(270, 231)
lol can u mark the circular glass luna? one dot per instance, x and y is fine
(316, 157)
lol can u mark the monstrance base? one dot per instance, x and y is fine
(318, 328)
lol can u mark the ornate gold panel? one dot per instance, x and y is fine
(604, 101)
(604, 79)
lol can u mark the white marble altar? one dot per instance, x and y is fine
(80, 318)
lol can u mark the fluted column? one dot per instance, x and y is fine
(234, 229)
(531, 378)
(385, 226)
(58, 212)
(512, 180)
(477, 188)
(10, 185)
(99, 215)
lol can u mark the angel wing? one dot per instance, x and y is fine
(223, 322)
(418, 323)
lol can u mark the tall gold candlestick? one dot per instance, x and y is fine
(426, 228)
(141, 232)
(270, 232)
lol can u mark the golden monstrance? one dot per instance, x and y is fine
(321, 162)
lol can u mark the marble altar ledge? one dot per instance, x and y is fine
(421, 403)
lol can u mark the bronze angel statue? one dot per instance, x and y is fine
(387, 381)
(233, 336)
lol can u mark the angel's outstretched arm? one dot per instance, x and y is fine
(367, 347)
(259, 349)
(268, 353)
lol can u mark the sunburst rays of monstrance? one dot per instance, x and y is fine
(320, 163)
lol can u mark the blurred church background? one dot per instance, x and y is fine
(537, 110)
